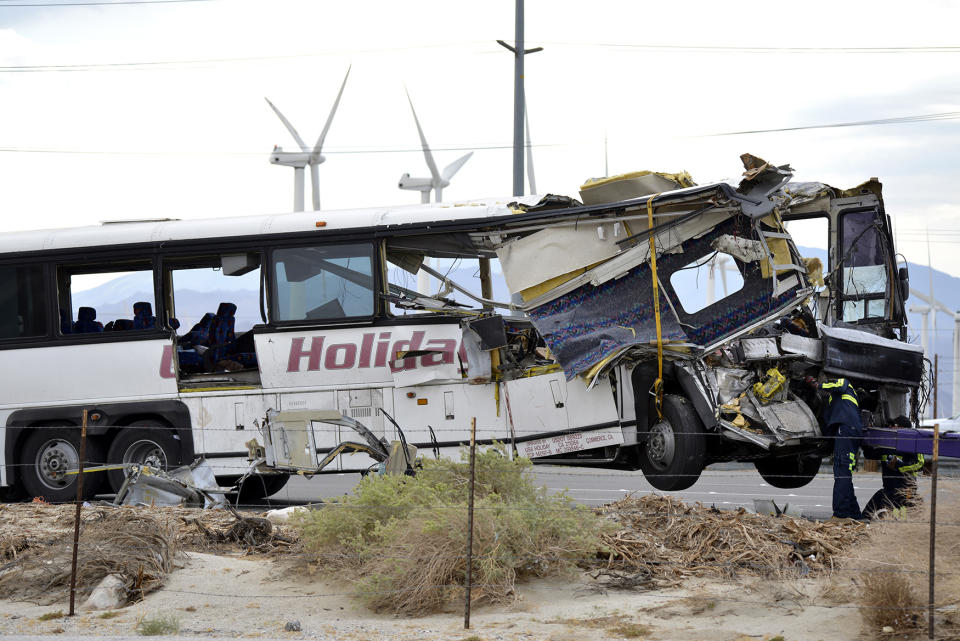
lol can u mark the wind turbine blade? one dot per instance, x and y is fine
(423, 142)
(326, 127)
(315, 185)
(526, 123)
(286, 123)
(455, 166)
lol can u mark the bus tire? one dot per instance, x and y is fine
(788, 472)
(673, 455)
(260, 486)
(143, 443)
(47, 452)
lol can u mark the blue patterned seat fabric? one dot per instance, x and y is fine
(143, 317)
(223, 342)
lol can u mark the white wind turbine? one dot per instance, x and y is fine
(306, 156)
(437, 181)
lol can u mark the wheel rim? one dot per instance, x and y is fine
(54, 459)
(145, 452)
(661, 445)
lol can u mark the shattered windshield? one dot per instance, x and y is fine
(864, 270)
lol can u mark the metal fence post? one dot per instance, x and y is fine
(473, 460)
(76, 515)
(933, 527)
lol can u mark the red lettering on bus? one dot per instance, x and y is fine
(412, 345)
(166, 363)
(366, 347)
(349, 356)
(445, 349)
(297, 353)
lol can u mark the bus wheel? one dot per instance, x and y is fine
(48, 454)
(788, 472)
(261, 486)
(675, 450)
(141, 443)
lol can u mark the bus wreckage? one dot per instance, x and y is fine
(726, 380)
(604, 349)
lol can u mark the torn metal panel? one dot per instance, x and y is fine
(856, 353)
(811, 348)
(743, 249)
(727, 383)
(632, 185)
(548, 255)
(789, 419)
(759, 349)
(192, 485)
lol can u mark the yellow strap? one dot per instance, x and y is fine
(852, 399)
(658, 384)
(833, 384)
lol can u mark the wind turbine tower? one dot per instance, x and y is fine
(306, 156)
(437, 181)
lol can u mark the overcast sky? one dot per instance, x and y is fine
(91, 129)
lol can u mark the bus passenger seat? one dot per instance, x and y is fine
(143, 316)
(224, 340)
(87, 321)
(199, 334)
(188, 356)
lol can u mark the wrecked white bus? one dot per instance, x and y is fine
(594, 354)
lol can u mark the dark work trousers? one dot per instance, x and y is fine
(845, 447)
(898, 491)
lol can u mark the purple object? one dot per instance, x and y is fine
(907, 440)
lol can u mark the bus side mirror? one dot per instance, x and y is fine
(904, 276)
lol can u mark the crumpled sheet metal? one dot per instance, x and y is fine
(190, 485)
(588, 324)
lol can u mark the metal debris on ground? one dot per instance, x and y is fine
(661, 540)
(192, 485)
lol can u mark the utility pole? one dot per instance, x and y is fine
(518, 98)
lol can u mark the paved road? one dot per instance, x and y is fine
(726, 489)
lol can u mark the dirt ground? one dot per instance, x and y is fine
(216, 595)
(223, 590)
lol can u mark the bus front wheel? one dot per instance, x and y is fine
(789, 472)
(141, 443)
(51, 456)
(674, 452)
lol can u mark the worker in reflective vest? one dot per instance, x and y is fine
(899, 473)
(841, 418)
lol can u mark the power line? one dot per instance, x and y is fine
(155, 64)
(748, 49)
(138, 152)
(946, 115)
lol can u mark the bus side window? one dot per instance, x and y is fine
(198, 285)
(23, 311)
(324, 283)
(111, 297)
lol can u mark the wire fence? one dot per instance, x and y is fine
(725, 484)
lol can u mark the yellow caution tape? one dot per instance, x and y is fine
(658, 384)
